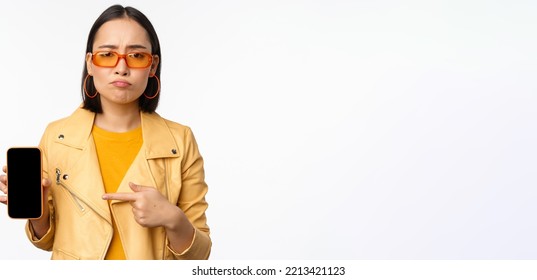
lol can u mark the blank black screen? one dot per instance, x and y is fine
(24, 183)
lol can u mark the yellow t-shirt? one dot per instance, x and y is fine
(116, 152)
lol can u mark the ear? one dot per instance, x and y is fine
(89, 64)
(154, 65)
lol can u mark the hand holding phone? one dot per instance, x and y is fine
(3, 186)
(24, 177)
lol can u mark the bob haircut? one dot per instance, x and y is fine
(117, 12)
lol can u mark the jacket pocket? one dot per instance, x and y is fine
(79, 204)
(59, 254)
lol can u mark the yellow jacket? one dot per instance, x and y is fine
(81, 223)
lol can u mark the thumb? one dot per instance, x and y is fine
(136, 188)
(45, 183)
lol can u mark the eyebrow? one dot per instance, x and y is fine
(135, 46)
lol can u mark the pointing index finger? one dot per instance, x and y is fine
(120, 196)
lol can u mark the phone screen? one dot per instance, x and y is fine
(25, 195)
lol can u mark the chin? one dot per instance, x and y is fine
(120, 99)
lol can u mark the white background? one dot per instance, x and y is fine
(330, 129)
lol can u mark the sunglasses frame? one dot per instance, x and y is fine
(120, 56)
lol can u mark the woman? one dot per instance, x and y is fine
(121, 182)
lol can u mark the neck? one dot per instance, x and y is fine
(119, 118)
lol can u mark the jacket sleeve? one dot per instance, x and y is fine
(192, 200)
(47, 240)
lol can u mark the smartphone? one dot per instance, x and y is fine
(25, 193)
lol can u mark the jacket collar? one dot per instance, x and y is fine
(158, 139)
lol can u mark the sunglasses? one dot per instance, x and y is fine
(111, 59)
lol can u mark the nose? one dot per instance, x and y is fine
(121, 68)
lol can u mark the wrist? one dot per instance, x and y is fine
(173, 220)
(40, 226)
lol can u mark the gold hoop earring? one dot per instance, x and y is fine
(86, 90)
(158, 88)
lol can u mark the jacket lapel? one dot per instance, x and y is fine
(80, 171)
(158, 143)
(158, 139)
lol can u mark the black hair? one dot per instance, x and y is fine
(116, 12)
